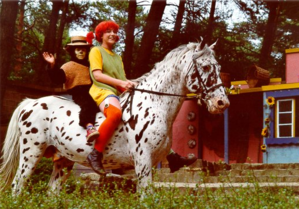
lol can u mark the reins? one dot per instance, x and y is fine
(131, 92)
(163, 94)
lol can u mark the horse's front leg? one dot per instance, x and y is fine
(61, 171)
(143, 170)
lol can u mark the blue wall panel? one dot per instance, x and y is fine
(282, 154)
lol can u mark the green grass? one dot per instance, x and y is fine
(75, 195)
(37, 197)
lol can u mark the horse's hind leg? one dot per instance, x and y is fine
(29, 158)
(61, 171)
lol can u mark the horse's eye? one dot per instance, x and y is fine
(206, 68)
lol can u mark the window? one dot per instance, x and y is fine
(285, 118)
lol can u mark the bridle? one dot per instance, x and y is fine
(204, 89)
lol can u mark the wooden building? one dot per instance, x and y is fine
(260, 126)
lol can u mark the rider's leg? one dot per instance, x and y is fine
(112, 110)
(87, 116)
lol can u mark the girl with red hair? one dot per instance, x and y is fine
(109, 81)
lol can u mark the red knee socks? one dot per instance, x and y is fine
(107, 128)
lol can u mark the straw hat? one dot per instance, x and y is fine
(77, 41)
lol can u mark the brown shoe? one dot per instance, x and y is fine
(92, 134)
(95, 161)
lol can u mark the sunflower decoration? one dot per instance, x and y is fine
(270, 101)
(263, 148)
(267, 120)
(265, 132)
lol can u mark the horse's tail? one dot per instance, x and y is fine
(11, 151)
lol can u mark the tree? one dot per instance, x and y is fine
(9, 11)
(178, 25)
(19, 45)
(50, 40)
(270, 34)
(210, 28)
(61, 27)
(149, 37)
(129, 42)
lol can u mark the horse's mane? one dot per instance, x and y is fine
(173, 56)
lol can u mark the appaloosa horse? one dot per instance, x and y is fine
(141, 140)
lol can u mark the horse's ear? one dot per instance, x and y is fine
(202, 43)
(213, 45)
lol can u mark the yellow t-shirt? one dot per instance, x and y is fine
(96, 63)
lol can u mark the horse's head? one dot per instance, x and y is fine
(203, 78)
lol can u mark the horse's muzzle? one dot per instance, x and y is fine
(218, 104)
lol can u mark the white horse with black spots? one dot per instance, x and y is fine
(143, 138)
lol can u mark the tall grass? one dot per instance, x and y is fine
(37, 197)
(76, 195)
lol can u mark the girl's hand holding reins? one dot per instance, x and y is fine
(127, 85)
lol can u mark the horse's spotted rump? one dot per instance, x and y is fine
(44, 106)
(34, 130)
(25, 150)
(21, 113)
(26, 115)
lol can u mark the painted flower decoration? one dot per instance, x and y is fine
(265, 132)
(263, 148)
(270, 101)
(267, 120)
